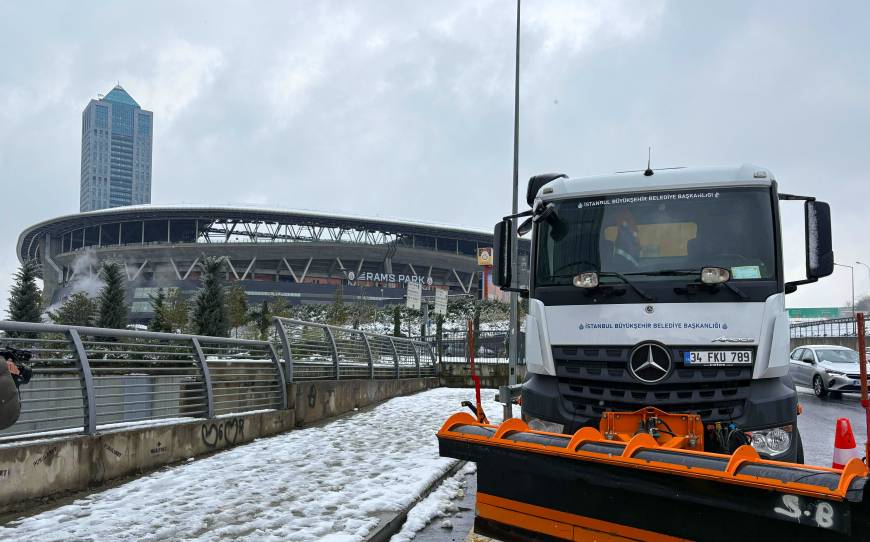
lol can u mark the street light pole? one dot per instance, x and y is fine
(852, 269)
(514, 312)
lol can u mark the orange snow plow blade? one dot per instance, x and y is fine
(614, 485)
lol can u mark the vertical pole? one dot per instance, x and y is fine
(288, 353)
(514, 312)
(206, 377)
(371, 357)
(282, 382)
(395, 355)
(87, 382)
(417, 356)
(331, 338)
(865, 402)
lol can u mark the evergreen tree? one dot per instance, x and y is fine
(397, 321)
(25, 298)
(262, 318)
(176, 311)
(158, 304)
(77, 310)
(112, 311)
(237, 306)
(210, 310)
(337, 313)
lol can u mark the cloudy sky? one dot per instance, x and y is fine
(404, 109)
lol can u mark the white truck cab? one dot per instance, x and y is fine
(663, 288)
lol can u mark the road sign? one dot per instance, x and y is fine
(441, 302)
(484, 256)
(814, 312)
(415, 295)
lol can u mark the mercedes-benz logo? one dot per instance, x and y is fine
(649, 363)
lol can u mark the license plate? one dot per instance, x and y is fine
(718, 357)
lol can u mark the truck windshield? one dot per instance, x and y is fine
(655, 236)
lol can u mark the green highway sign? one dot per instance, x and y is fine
(814, 312)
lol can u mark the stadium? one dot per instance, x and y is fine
(299, 256)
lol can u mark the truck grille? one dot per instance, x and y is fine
(593, 380)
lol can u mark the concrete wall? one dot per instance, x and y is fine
(492, 375)
(50, 466)
(316, 400)
(35, 469)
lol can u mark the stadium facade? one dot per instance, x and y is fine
(299, 256)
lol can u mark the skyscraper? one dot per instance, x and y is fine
(116, 152)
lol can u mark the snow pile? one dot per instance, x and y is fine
(333, 482)
(438, 504)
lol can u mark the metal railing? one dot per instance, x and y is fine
(489, 346)
(85, 379)
(318, 351)
(834, 327)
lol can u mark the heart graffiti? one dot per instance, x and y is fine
(230, 431)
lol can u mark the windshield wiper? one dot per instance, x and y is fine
(622, 277)
(689, 272)
(668, 273)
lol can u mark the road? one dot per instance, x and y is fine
(816, 425)
(818, 421)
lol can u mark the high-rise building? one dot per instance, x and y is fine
(116, 152)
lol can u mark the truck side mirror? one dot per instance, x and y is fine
(501, 254)
(820, 254)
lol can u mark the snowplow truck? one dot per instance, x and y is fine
(657, 403)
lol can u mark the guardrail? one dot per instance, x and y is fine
(320, 351)
(85, 379)
(490, 347)
(834, 327)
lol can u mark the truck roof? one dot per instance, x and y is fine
(663, 179)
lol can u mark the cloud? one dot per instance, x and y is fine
(181, 72)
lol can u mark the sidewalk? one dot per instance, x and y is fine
(334, 482)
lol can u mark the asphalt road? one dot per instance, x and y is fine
(818, 422)
(816, 425)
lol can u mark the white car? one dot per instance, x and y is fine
(825, 368)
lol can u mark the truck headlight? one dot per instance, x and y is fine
(772, 442)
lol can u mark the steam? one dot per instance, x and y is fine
(85, 275)
(85, 278)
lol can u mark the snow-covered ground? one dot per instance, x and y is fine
(329, 483)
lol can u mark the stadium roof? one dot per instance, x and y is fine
(62, 224)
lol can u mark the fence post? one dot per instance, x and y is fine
(87, 382)
(371, 358)
(395, 355)
(417, 358)
(331, 338)
(436, 364)
(282, 383)
(288, 353)
(206, 377)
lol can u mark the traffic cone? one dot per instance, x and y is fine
(845, 447)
